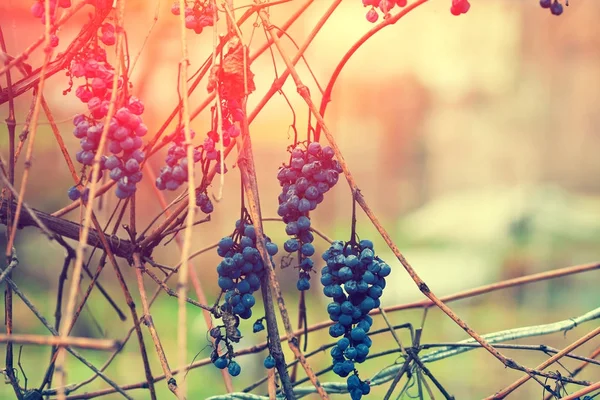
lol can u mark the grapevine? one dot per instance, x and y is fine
(128, 141)
(310, 174)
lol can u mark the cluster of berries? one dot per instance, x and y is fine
(240, 273)
(203, 201)
(175, 173)
(107, 35)
(460, 7)
(92, 65)
(125, 130)
(125, 134)
(241, 269)
(197, 16)
(385, 6)
(354, 277)
(308, 176)
(556, 8)
(38, 11)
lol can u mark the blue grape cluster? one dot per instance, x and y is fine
(175, 173)
(556, 8)
(354, 278)
(203, 201)
(240, 273)
(308, 176)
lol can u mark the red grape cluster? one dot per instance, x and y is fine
(197, 16)
(556, 8)
(38, 11)
(460, 7)
(385, 6)
(240, 274)
(309, 175)
(354, 278)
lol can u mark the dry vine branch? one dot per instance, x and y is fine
(81, 342)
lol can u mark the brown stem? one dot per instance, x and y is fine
(515, 385)
(120, 247)
(250, 184)
(81, 342)
(148, 321)
(579, 368)
(577, 395)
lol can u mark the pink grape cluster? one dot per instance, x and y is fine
(460, 7)
(125, 130)
(107, 35)
(197, 17)
(38, 11)
(95, 93)
(385, 6)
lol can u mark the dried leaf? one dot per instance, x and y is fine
(230, 75)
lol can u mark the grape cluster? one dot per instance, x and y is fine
(108, 34)
(309, 175)
(240, 273)
(38, 11)
(175, 173)
(98, 73)
(460, 7)
(197, 16)
(88, 130)
(385, 6)
(355, 278)
(203, 201)
(125, 134)
(556, 8)
(125, 130)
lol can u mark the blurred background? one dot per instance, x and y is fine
(473, 138)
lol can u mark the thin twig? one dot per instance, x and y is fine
(149, 322)
(81, 342)
(43, 320)
(509, 389)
